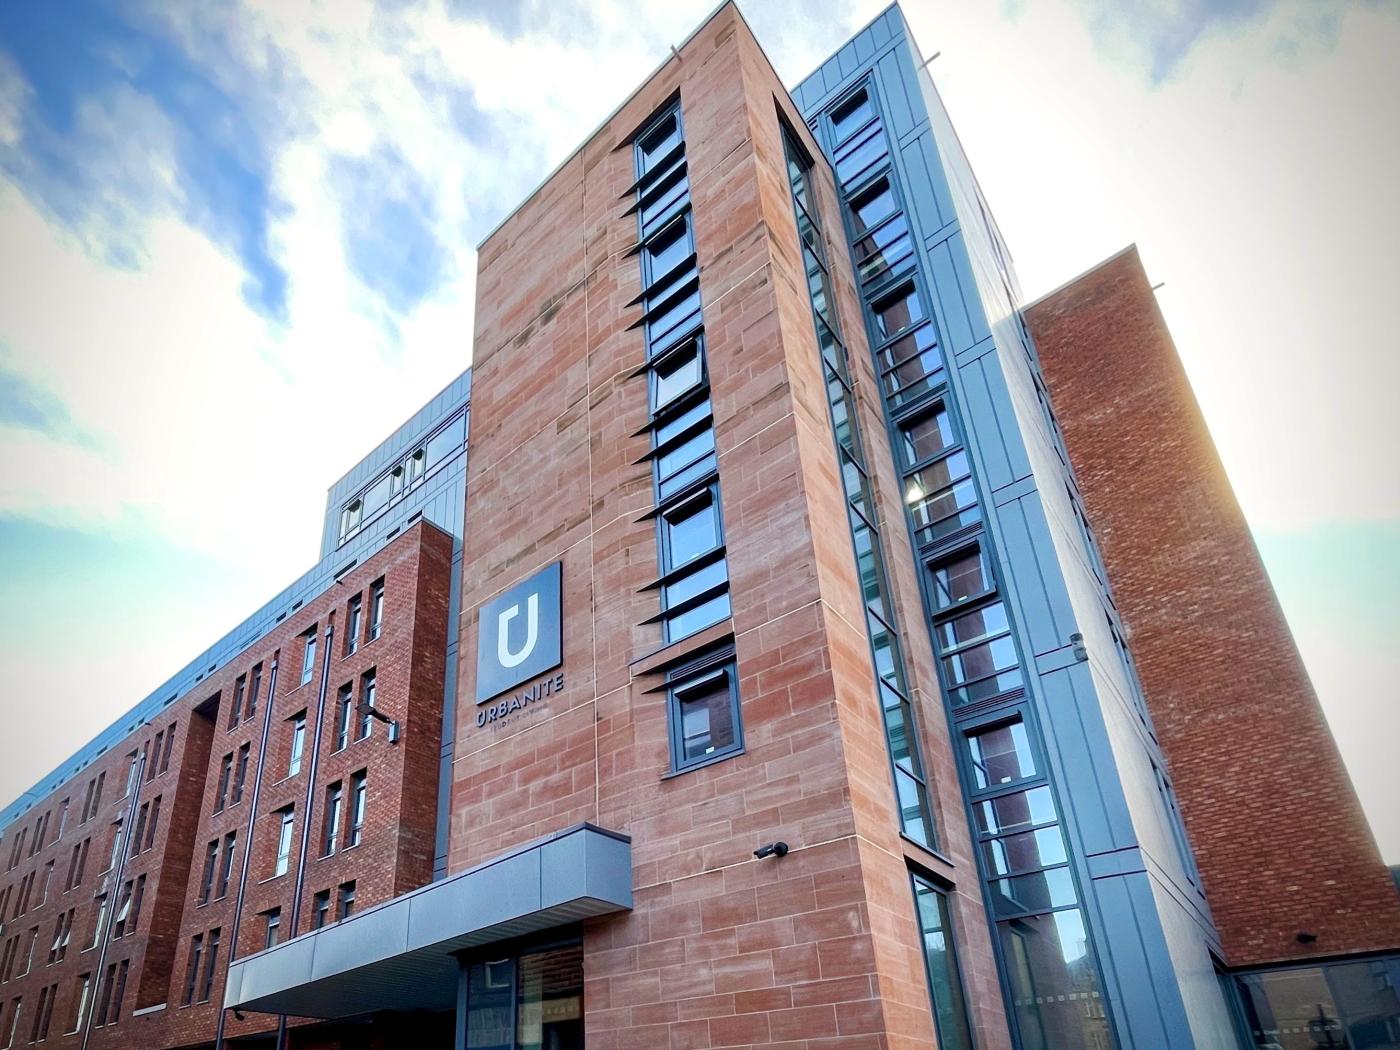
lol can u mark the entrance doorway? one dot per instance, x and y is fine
(529, 1001)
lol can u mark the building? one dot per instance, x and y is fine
(1312, 927)
(755, 680)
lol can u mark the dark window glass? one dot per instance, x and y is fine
(704, 717)
(941, 498)
(927, 435)
(1018, 811)
(1001, 754)
(912, 364)
(941, 966)
(1026, 851)
(965, 575)
(864, 153)
(1054, 984)
(658, 140)
(272, 927)
(979, 655)
(872, 206)
(549, 1000)
(320, 909)
(666, 250)
(851, 115)
(894, 313)
(446, 441)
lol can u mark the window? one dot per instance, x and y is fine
(114, 991)
(977, 654)
(192, 975)
(1054, 981)
(80, 999)
(44, 887)
(169, 746)
(142, 815)
(240, 775)
(350, 518)
(131, 760)
(358, 796)
(320, 909)
(354, 623)
(286, 818)
(77, 864)
(654, 145)
(153, 767)
(254, 687)
(152, 824)
(368, 690)
(211, 865)
(225, 777)
(115, 850)
(442, 445)
(376, 609)
(62, 819)
(852, 114)
(345, 900)
(211, 962)
(272, 926)
(1001, 754)
(128, 907)
(226, 868)
(344, 704)
(667, 249)
(308, 655)
(101, 920)
(40, 1030)
(335, 798)
(679, 372)
(235, 711)
(1342, 1004)
(62, 934)
(1178, 830)
(14, 1021)
(704, 713)
(297, 744)
(942, 498)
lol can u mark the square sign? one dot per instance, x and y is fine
(519, 635)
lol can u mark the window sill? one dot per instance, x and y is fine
(709, 760)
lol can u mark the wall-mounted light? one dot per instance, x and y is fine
(773, 849)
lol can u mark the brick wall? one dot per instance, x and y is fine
(1279, 835)
(396, 853)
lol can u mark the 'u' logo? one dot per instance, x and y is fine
(504, 654)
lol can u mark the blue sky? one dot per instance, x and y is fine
(239, 248)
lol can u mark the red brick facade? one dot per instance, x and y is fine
(1280, 838)
(819, 948)
(396, 853)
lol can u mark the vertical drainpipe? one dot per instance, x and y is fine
(329, 638)
(248, 839)
(117, 872)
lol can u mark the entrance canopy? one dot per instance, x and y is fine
(400, 955)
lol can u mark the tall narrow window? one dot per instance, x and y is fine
(211, 962)
(169, 746)
(320, 909)
(254, 687)
(376, 609)
(368, 693)
(131, 761)
(225, 776)
(345, 900)
(308, 655)
(80, 1003)
(272, 926)
(358, 797)
(152, 824)
(354, 623)
(113, 1012)
(941, 967)
(13, 1026)
(99, 923)
(142, 815)
(334, 801)
(211, 866)
(344, 706)
(235, 710)
(157, 746)
(296, 744)
(286, 818)
(226, 866)
(240, 774)
(192, 974)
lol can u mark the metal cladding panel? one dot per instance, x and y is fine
(497, 893)
(399, 955)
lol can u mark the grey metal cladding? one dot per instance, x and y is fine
(399, 955)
